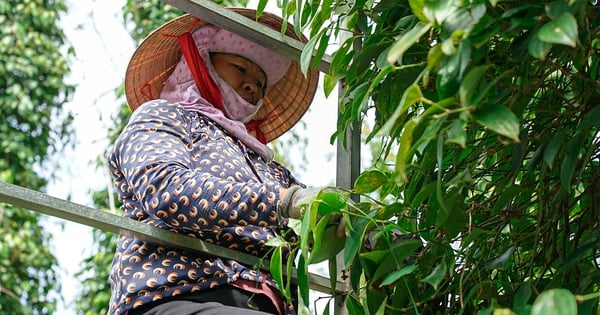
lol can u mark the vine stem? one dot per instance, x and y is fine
(412, 299)
(583, 298)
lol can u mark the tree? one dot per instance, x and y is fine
(33, 128)
(491, 112)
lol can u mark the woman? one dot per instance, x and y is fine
(193, 159)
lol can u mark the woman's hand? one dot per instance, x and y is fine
(295, 199)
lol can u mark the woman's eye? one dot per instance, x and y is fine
(240, 68)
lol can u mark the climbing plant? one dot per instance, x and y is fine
(484, 197)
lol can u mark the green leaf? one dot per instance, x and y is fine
(295, 225)
(305, 310)
(329, 83)
(425, 193)
(552, 149)
(508, 194)
(522, 296)
(443, 211)
(417, 7)
(309, 221)
(394, 276)
(458, 133)
(356, 275)
(354, 306)
(438, 107)
(503, 311)
(451, 70)
(439, 11)
(403, 151)
(498, 119)
(327, 243)
(406, 41)
(437, 275)
(323, 15)
(321, 48)
(555, 302)
(487, 311)
(538, 48)
(469, 85)
(435, 56)
(569, 163)
(354, 240)
(457, 219)
(330, 201)
(290, 9)
(262, 4)
(388, 211)
(369, 181)
(390, 259)
(303, 285)
(276, 270)
(592, 118)
(275, 241)
(338, 68)
(307, 54)
(410, 96)
(554, 9)
(562, 31)
(333, 270)
(449, 47)
(382, 307)
(304, 16)
(364, 91)
(501, 260)
(318, 235)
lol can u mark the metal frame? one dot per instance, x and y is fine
(56, 207)
(215, 14)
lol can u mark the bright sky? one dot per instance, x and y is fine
(103, 48)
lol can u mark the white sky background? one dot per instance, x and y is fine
(103, 48)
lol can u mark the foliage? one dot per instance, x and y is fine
(33, 128)
(490, 110)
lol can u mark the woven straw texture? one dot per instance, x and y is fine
(156, 57)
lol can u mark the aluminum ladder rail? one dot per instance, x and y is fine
(37, 201)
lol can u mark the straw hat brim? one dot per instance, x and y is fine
(156, 57)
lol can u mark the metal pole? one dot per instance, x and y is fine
(251, 30)
(347, 170)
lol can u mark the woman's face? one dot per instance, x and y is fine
(243, 75)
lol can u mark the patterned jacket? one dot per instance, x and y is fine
(179, 171)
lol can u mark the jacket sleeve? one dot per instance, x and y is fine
(152, 164)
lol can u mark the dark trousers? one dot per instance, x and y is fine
(218, 301)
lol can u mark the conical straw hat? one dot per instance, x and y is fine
(158, 54)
